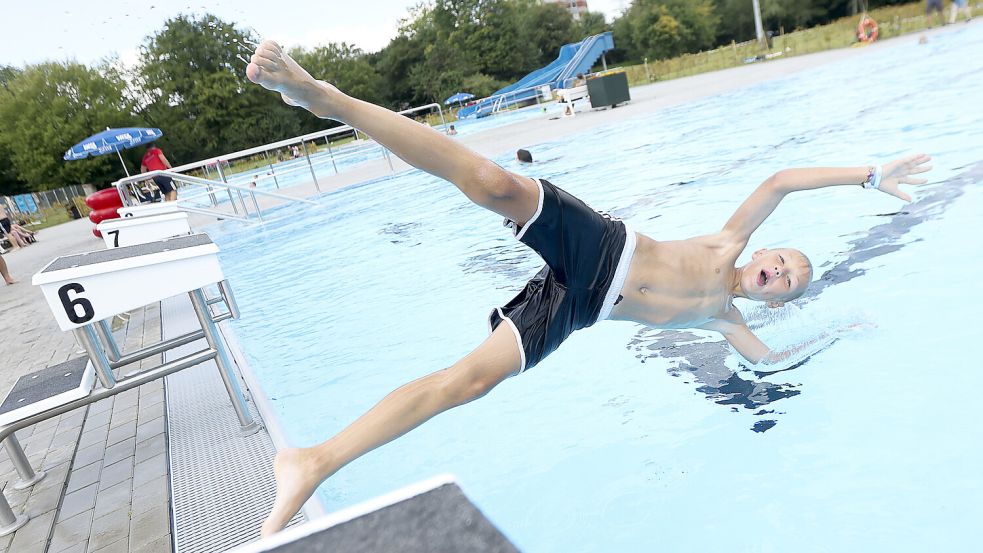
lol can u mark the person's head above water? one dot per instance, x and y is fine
(774, 276)
(523, 156)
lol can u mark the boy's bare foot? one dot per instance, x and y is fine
(271, 68)
(10, 281)
(297, 475)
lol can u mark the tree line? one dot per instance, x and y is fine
(190, 79)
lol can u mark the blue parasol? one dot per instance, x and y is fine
(458, 98)
(112, 140)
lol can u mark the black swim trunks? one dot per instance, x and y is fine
(587, 257)
(164, 183)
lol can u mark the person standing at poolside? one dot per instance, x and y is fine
(960, 6)
(5, 273)
(596, 269)
(931, 8)
(154, 160)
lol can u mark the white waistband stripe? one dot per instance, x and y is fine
(620, 275)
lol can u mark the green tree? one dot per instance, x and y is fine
(192, 85)
(481, 85)
(346, 67)
(44, 110)
(589, 24)
(394, 63)
(665, 28)
(545, 28)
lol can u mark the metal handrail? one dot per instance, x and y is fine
(289, 141)
(210, 185)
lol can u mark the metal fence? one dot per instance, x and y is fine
(29, 205)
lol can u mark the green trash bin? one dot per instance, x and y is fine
(608, 90)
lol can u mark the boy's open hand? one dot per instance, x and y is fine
(900, 171)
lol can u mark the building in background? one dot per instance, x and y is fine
(575, 7)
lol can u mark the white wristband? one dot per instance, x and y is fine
(874, 181)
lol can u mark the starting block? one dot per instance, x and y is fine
(87, 287)
(84, 291)
(144, 210)
(39, 391)
(140, 230)
(429, 517)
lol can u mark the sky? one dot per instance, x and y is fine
(32, 31)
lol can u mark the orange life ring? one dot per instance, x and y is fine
(867, 30)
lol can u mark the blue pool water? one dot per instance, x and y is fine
(629, 439)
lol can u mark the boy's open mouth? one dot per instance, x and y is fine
(762, 278)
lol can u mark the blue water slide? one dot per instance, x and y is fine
(574, 58)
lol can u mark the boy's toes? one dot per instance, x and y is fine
(252, 72)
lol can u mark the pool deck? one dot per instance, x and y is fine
(107, 488)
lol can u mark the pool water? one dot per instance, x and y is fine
(629, 439)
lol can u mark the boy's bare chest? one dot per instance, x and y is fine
(676, 285)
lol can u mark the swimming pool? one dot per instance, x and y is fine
(616, 443)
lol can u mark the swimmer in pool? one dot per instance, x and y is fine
(596, 269)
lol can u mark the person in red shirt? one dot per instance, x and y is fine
(154, 160)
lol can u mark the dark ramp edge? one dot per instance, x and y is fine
(46, 383)
(441, 520)
(115, 254)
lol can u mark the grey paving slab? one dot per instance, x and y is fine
(34, 533)
(150, 429)
(89, 455)
(152, 468)
(85, 476)
(77, 548)
(115, 473)
(159, 545)
(71, 532)
(121, 433)
(43, 500)
(95, 436)
(151, 447)
(149, 526)
(152, 494)
(110, 529)
(122, 546)
(78, 501)
(119, 451)
(109, 499)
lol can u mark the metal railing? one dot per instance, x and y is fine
(128, 192)
(218, 182)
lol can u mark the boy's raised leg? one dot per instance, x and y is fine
(299, 471)
(484, 182)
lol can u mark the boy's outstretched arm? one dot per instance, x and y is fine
(740, 337)
(481, 180)
(763, 201)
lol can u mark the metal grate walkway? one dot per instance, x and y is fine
(222, 483)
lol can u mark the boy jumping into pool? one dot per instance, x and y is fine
(596, 269)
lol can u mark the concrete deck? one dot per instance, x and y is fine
(107, 484)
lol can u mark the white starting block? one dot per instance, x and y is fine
(88, 287)
(143, 210)
(84, 291)
(140, 230)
